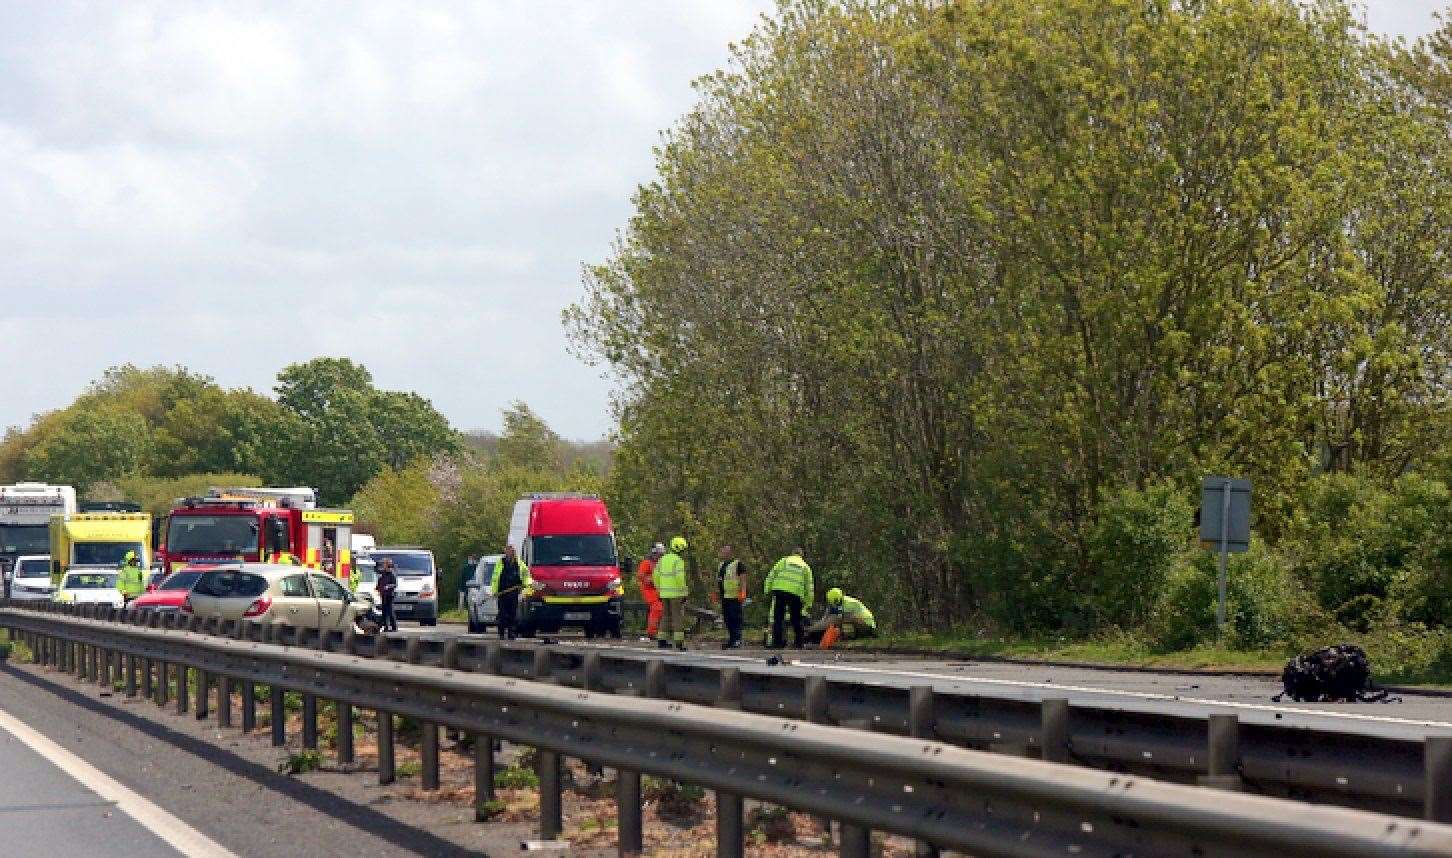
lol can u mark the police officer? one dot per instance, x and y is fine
(789, 585)
(510, 576)
(131, 578)
(669, 577)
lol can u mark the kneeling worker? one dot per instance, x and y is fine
(846, 618)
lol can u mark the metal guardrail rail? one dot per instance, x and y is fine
(979, 803)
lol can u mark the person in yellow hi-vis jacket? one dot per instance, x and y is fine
(789, 585)
(669, 576)
(131, 580)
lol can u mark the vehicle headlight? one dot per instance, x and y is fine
(526, 591)
(616, 587)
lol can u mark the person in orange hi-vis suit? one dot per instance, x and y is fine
(647, 590)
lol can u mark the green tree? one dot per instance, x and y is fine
(928, 287)
(92, 445)
(528, 442)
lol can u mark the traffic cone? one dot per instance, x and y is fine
(830, 636)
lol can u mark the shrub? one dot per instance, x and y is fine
(1360, 544)
(1133, 545)
(302, 761)
(1266, 607)
(516, 777)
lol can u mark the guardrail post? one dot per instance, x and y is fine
(655, 684)
(544, 664)
(183, 690)
(249, 706)
(385, 748)
(163, 683)
(105, 669)
(1054, 730)
(93, 670)
(814, 700)
(429, 748)
(591, 671)
(629, 825)
(815, 710)
(493, 658)
(224, 701)
(128, 667)
(551, 818)
(923, 724)
(730, 825)
(345, 732)
(856, 841)
(279, 717)
(483, 775)
(204, 683)
(1438, 765)
(729, 695)
(148, 689)
(310, 722)
(1222, 759)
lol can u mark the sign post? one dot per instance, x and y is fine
(1224, 525)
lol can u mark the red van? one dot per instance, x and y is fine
(569, 544)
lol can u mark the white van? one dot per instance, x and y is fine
(30, 578)
(417, 596)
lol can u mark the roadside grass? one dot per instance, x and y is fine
(453, 616)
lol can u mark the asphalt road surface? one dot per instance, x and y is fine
(220, 785)
(47, 813)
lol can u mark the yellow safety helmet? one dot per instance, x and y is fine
(678, 543)
(834, 596)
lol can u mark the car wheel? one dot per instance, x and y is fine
(476, 627)
(614, 629)
(428, 622)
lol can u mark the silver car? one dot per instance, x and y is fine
(277, 594)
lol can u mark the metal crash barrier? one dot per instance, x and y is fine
(944, 796)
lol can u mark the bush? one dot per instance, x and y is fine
(516, 777)
(1360, 545)
(1266, 607)
(302, 761)
(1133, 545)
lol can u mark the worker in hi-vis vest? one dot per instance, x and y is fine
(669, 577)
(790, 587)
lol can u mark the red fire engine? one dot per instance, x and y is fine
(259, 525)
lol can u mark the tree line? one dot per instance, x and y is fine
(154, 435)
(967, 297)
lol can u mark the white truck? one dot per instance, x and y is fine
(25, 513)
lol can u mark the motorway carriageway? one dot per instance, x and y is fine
(1248, 697)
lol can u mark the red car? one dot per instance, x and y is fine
(170, 593)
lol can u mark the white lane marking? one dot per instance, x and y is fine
(1053, 686)
(180, 836)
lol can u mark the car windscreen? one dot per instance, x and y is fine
(102, 553)
(225, 584)
(211, 534)
(593, 549)
(407, 563)
(367, 572)
(179, 581)
(90, 582)
(33, 569)
(24, 538)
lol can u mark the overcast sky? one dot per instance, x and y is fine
(238, 186)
